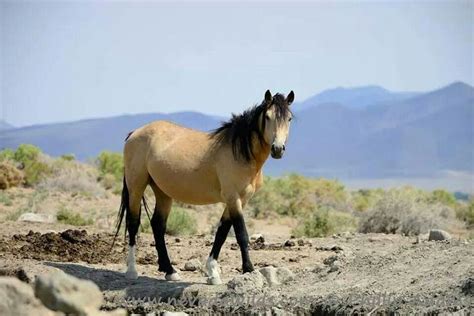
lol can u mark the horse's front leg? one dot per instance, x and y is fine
(237, 218)
(221, 235)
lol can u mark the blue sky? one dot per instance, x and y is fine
(64, 61)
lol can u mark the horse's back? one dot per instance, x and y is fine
(180, 160)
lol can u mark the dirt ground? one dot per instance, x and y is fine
(363, 273)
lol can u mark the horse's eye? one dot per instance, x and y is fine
(289, 120)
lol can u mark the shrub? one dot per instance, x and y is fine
(295, 195)
(181, 222)
(66, 216)
(110, 163)
(71, 176)
(10, 176)
(466, 214)
(68, 157)
(324, 222)
(443, 197)
(26, 154)
(7, 154)
(405, 211)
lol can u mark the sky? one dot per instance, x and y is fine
(69, 60)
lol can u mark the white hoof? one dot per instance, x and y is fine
(173, 277)
(214, 280)
(131, 275)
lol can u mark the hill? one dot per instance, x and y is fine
(400, 134)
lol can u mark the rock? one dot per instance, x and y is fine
(335, 266)
(19, 273)
(258, 238)
(300, 242)
(276, 276)
(329, 260)
(289, 243)
(284, 275)
(65, 293)
(248, 282)
(174, 314)
(177, 239)
(438, 234)
(193, 265)
(17, 298)
(468, 286)
(36, 218)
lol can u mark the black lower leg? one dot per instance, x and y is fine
(221, 235)
(243, 241)
(158, 224)
(133, 222)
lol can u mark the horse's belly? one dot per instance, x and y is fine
(192, 187)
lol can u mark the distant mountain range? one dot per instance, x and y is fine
(4, 125)
(358, 132)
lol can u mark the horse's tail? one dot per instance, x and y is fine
(123, 210)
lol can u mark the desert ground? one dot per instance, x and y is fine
(345, 273)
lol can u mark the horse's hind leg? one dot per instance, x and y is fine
(136, 187)
(221, 235)
(158, 224)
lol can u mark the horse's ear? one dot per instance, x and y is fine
(268, 97)
(290, 98)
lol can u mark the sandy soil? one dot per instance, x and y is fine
(373, 273)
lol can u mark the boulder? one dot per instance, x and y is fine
(36, 218)
(17, 298)
(193, 265)
(174, 314)
(438, 234)
(248, 282)
(276, 276)
(62, 292)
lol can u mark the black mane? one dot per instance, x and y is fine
(240, 129)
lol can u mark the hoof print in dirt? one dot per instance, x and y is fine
(438, 235)
(193, 265)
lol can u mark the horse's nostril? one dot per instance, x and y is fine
(273, 147)
(283, 147)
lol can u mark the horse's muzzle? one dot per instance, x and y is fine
(277, 151)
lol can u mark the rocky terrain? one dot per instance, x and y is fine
(345, 273)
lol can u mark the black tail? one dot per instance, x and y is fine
(124, 208)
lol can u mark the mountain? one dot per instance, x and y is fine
(400, 135)
(417, 136)
(87, 138)
(4, 125)
(355, 97)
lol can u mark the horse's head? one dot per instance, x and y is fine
(276, 121)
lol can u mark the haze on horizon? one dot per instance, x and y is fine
(64, 61)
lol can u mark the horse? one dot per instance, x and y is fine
(194, 167)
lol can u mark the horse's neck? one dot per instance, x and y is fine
(260, 152)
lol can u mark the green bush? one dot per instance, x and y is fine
(67, 216)
(110, 163)
(181, 222)
(325, 222)
(443, 197)
(7, 154)
(28, 156)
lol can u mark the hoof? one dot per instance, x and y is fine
(214, 281)
(131, 275)
(172, 276)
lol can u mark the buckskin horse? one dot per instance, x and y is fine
(195, 167)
